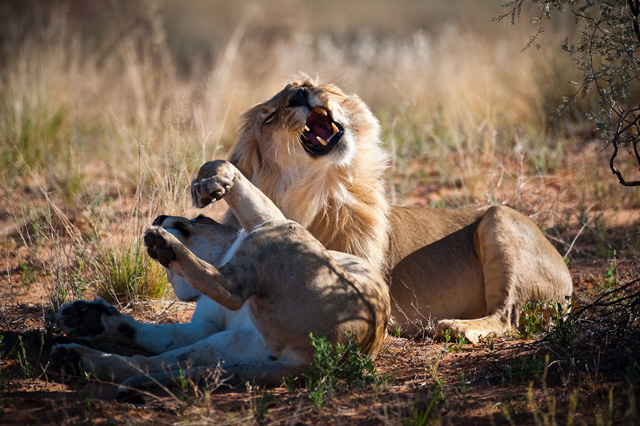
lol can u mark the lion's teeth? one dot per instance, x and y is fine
(306, 128)
(323, 112)
(334, 127)
(322, 141)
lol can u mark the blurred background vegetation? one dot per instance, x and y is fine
(87, 84)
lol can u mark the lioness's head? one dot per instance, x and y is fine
(305, 124)
(206, 238)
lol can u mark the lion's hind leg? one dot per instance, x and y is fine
(519, 265)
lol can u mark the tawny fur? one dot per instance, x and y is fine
(467, 270)
(340, 200)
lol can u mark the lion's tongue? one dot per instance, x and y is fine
(320, 130)
(317, 124)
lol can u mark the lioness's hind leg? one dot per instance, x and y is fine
(271, 373)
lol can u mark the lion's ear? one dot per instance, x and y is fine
(246, 153)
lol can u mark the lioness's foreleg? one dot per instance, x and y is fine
(99, 321)
(231, 285)
(251, 206)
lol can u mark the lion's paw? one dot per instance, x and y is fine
(158, 245)
(457, 329)
(214, 181)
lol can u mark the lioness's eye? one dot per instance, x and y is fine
(269, 118)
(182, 229)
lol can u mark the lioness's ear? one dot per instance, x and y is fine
(246, 153)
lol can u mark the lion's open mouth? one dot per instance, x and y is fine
(320, 133)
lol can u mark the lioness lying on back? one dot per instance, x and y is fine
(316, 152)
(261, 292)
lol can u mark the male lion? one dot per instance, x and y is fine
(291, 284)
(316, 152)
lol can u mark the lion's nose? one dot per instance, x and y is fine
(300, 98)
(158, 220)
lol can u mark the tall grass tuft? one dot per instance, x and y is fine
(127, 274)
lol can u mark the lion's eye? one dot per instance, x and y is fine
(269, 118)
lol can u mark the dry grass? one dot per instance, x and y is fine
(107, 110)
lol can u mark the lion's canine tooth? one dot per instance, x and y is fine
(322, 141)
(322, 111)
(334, 127)
(306, 128)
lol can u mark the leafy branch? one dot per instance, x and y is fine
(606, 54)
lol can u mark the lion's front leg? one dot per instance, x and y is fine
(218, 179)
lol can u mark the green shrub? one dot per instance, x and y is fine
(335, 370)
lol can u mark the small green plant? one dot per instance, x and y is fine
(611, 275)
(531, 320)
(524, 369)
(182, 388)
(87, 399)
(488, 343)
(292, 384)
(26, 367)
(460, 341)
(397, 331)
(453, 346)
(28, 274)
(446, 335)
(562, 323)
(260, 403)
(424, 412)
(334, 369)
(462, 387)
(420, 417)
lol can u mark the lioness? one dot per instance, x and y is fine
(316, 152)
(291, 284)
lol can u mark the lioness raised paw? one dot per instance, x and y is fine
(158, 245)
(215, 179)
